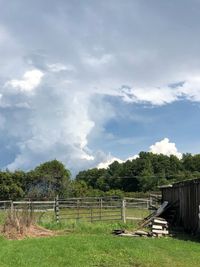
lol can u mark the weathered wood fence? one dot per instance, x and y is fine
(85, 209)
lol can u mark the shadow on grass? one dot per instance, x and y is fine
(180, 234)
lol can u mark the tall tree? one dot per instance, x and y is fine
(48, 180)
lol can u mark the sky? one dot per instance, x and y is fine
(88, 82)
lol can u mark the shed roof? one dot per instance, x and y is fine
(181, 183)
(165, 186)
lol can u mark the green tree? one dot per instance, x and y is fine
(48, 180)
(11, 185)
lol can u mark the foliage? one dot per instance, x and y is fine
(142, 174)
(45, 181)
(145, 173)
(11, 184)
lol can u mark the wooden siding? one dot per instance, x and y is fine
(187, 194)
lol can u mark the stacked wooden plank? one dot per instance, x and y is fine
(159, 227)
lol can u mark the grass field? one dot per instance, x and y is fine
(87, 245)
(83, 244)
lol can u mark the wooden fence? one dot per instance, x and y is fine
(85, 209)
(155, 201)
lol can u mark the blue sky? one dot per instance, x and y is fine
(137, 126)
(88, 82)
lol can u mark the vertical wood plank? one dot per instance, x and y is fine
(123, 210)
(57, 209)
(77, 207)
(101, 209)
(91, 214)
(12, 208)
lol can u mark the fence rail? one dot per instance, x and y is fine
(86, 209)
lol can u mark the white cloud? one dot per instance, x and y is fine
(56, 126)
(165, 147)
(31, 79)
(54, 123)
(189, 90)
(87, 157)
(97, 61)
(57, 67)
(109, 160)
(132, 157)
(155, 96)
(58, 122)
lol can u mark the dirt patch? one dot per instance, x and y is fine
(21, 224)
(31, 231)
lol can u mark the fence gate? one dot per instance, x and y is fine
(89, 209)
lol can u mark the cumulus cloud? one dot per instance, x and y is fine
(55, 122)
(158, 96)
(107, 161)
(31, 79)
(165, 147)
(59, 126)
(154, 96)
(77, 54)
(190, 89)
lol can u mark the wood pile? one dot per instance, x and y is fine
(159, 227)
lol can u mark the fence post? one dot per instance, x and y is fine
(31, 208)
(148, 204)
(12, 209)
(77, 206)
(150, 200)
(123, 210)
(91, 213)
(57, 209)
(101, 208)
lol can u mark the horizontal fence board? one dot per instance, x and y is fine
(90, 208)
(94, 214)
(33, 202)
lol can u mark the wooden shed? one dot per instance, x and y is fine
(185, 197)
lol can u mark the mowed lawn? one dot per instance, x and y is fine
(88, 245)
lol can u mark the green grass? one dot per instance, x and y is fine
(83, 244)
(137, 213)
(89, 245)
(82, 227)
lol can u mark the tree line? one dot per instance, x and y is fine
(143, 174)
